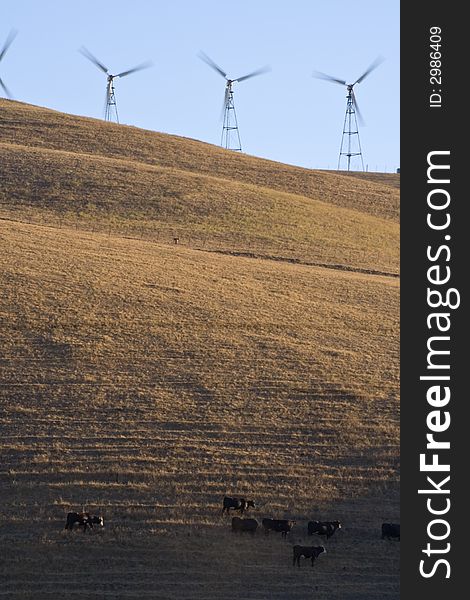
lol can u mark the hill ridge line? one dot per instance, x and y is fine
(183, 139)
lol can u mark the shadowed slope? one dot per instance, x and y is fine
(147, 381)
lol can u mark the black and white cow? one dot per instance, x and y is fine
(83, 519)
(323, 527)
(236, 504)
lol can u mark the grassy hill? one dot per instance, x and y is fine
(140, 183)
(145, 380)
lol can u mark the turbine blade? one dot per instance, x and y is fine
(87, 54)
(264, 69)
(211, 63)
(7, 91)
(320, 75)
(225, 103)
(144, 65)
(379, 60)
(106, 100)
(356, 108)
(11, 36)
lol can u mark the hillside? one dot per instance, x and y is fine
(69, 170)
(145, 380)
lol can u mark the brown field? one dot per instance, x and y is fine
(145, 380)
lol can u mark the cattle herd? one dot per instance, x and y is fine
(250, 525)
(284, 527)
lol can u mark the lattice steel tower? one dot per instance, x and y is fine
(350, 141)
(110, 109)
(230, 138)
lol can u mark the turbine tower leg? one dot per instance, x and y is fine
(350, 141)
(230, 135)
(110, 111)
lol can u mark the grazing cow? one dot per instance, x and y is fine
(312, 552)
(83, 519)
(237, 504)
(239, 525)
(391, 530)
(323, 527)
(280, 525)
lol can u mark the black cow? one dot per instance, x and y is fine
(237, 504)
(283, 526)
(83, 519)
(312, 552)
(391, 530)
(239, 525)
(323, 527)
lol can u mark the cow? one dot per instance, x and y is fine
(323, 527)
(83, 519)
(283, 526)
(249, 525)
(312, 552)
(391, 530)
(237, 504)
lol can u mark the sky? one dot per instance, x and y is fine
(285, 115)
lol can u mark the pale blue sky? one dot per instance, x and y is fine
(285, 115)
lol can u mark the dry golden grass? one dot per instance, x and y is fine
(146, 380)
(204, 212)
(388, 179)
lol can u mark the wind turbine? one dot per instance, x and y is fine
(230, 138)
(349, 146)
(110, 106)
(11, 36)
